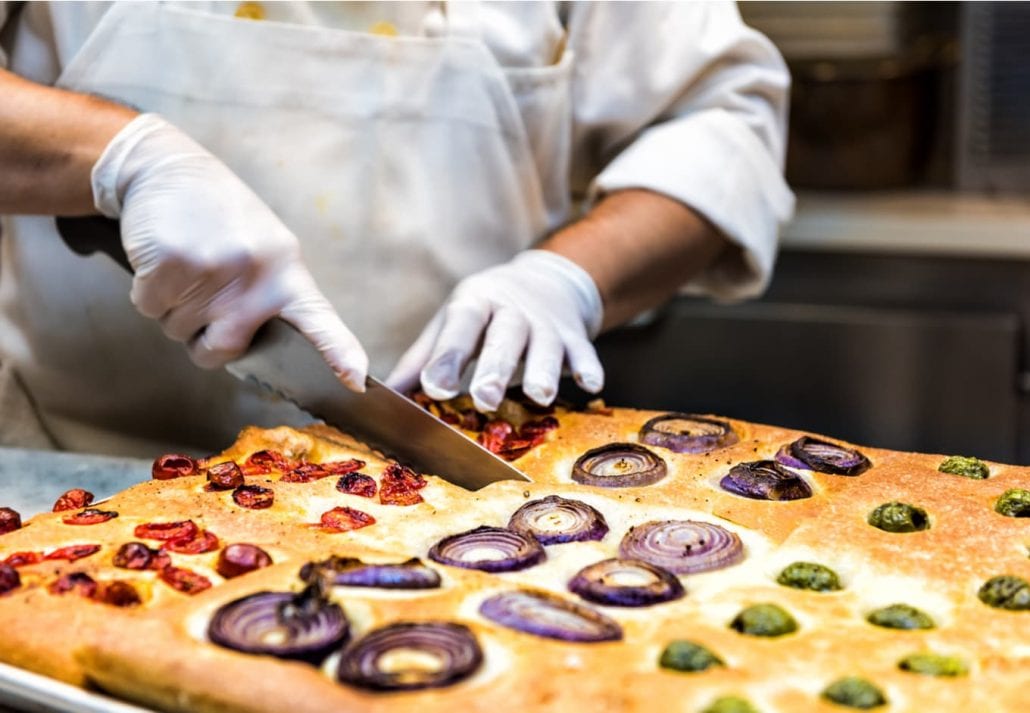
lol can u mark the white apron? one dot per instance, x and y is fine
(402, 164)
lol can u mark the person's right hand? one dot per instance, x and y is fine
(212, 261)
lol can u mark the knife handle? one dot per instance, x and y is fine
(92, 234)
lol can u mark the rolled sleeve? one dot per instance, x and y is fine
(701, 120)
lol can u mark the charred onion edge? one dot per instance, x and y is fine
(585, 469)
(685, 443)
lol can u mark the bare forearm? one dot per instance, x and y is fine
(640, 247)
(49, 141)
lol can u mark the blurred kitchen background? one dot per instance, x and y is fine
(899, 314)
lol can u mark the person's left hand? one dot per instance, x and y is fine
(541, 305)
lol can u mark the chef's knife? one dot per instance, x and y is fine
(283, 361)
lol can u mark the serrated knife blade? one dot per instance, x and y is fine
(285, 363)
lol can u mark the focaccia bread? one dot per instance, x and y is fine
(692, 563)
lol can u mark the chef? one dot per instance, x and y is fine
(422, 189)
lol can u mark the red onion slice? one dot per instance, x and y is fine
(826, 457)
(687, 433)
(626, 583)
(352, 572)
(489, 549)
(303, 626)
(618, 465)
(550, 616)
(553, 520)
(682, 546)
(409, 656)
(765, 480)
(784, 457)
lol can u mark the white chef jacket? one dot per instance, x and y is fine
(679, 98)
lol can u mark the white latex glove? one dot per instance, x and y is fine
(540, 304)
(212, 262)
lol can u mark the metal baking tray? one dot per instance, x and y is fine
(21, 690)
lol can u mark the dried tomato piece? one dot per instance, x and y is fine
(166, 530)
(399, 485)
(89, 516)
(343, 467)
(225, 476)
(184, 580)
(357, 484)
(240, 558)
(174, 465)
(263, 462)
(203, 541)
(539, 427)
(78, 582)
(10, 520)
(134, 555)
(494, 435)
(73, 500)
(342, 519)
(305, 473)
(73, 552)
(118, 594)
(9, 578)
(515, 448)
(20, 559)
(253, 497)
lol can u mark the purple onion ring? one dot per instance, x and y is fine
(618, 465)
(553, 520)
(550, 616)
(366, 663)
(765, 480)
(352, 572)
(605, 583)
(301, 626)
(472, 550)
(682, 546)
(784, 457)
(687, 433)
(826, 457)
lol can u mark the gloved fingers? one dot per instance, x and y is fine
(463, 324)
(315, 318)
(544, 358)
(503, 345)
(584, 363)
(222, 341)
(405, 374)
(193, 310)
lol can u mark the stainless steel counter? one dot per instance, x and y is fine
(30, 481)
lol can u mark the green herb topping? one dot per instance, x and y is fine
(899, 517)
(900, 616)
(688, 656)
(730, 704)
(1006, 592)
(854, 692)
(809, 575)
(764, 620)
(966, 467)
(934, 665)
(1014, 502)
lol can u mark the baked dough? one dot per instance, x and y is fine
(157, 653)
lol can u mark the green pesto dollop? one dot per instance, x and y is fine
(730, 704)
(901, 616)
(1006, 592)
(764, 620)
(687, 656)
(899, 517)
(966, 467)
(809, 575)
(934, 665)
(854, 692)
(1014, 502)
